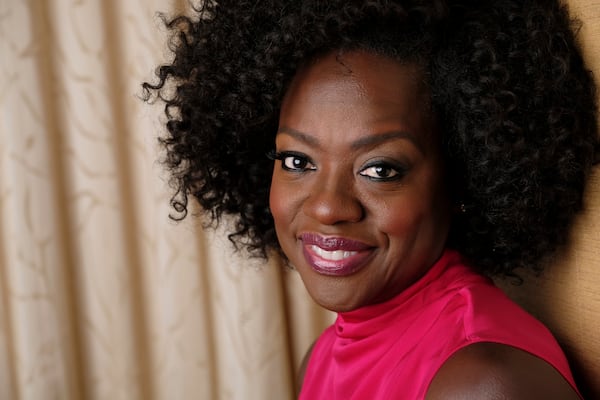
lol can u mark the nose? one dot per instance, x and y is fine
(333, 202)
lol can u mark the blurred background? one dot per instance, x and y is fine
(101, 295)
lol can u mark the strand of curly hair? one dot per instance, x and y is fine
(508, 84)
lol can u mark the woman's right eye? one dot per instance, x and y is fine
(294, 162)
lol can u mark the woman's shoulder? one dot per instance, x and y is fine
(491, 370)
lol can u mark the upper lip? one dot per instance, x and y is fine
(333, 243)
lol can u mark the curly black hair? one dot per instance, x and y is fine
(515, 101)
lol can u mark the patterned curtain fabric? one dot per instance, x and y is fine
(101, 295)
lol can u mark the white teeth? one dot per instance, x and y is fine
(335, 255)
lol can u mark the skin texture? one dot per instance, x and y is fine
(344, 116)
(324, 188)
(495, 371)
(490, 371)
(514, 99)
(508, 83)
(512, 94)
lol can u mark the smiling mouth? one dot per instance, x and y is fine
(335, 256)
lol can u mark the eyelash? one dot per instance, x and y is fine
(283, 155)
(398, 171)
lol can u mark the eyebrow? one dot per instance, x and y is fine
(366, 141)
(373, 140)
(301, 136)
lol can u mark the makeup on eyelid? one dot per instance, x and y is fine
(358, 193)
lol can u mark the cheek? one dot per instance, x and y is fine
(276, 206)
(415, 215)
(400, 219)
(284, 209)
(281, 202)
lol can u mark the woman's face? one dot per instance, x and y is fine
(358, 193)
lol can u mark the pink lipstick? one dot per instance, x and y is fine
(335, 256)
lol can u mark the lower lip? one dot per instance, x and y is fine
(345, 267)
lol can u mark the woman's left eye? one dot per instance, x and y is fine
(293, 161)
(381, 172)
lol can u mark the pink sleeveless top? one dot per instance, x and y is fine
(393, 350)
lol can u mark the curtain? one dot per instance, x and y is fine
(102, 296)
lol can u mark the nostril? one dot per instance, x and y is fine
(330, 206)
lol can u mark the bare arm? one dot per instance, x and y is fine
(495, 371)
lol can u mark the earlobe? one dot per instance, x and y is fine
(459, 208)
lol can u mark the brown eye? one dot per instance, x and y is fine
(382, 172)
(294, 162)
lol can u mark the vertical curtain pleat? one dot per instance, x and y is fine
(103, 297)
(43, 326)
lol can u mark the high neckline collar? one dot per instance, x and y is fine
(365, 320)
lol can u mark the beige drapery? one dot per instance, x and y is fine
(101, 296)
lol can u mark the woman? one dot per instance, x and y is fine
(414, 148)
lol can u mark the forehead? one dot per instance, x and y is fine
(357, 90)
(375, 74)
